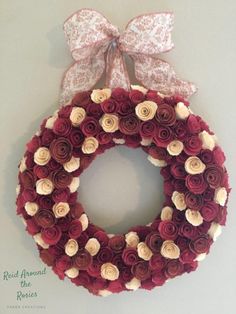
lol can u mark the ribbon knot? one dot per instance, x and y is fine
(97, 46)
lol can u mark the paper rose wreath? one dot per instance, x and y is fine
(157, 119)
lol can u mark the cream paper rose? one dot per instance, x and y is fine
(50, 122)
(215, 230)
(194, 217)
(132, 239)
(109, 271)
(72, 165)
(175, 148)
(61, 209)
(208, 140)
(156, 162)
(22, 166)
(119, 141)
(42, 156)
(179, 200)
(71, 247)
(194, 165)
(220, 196)
(133, 284)
(99, 95)
(109, 123)
(74, 184)
(104, 293)
(17, 189)
(170, 250)
(139, 88)
(84, 221)
(44, 186)
(72, 272)
(144, 252)
(146, 141)
(146, 110)
(77, 115)
(90, 145)
(31, 208)
(92, 246)
(38, 239)
(166, 213)
(182, 111)
(200, 257)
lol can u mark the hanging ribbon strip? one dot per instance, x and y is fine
(97, 46)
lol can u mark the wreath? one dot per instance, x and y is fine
(175, 139)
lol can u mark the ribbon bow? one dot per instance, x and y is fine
(97, 46)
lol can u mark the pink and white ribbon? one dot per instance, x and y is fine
(97, 46)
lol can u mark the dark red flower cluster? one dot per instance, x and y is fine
(146, 256)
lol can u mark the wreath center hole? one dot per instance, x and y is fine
(121, 189)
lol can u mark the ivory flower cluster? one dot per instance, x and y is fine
(195, 186)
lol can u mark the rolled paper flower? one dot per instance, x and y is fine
(72, 165)
(133, 284)
(194, 217)
(71, 247)
(99, 95)
(90, 145)
(51, 235)
(170, 250)
(194, 165)
(62, 127)
(132, 239)
(61, 209)
(215, 230)
(220, 196)
(156, 162)
(92, 246)
(61, 179)
(139, 88)
(84, 221)
(50, 122)
(31, 208)
(175, 148)
(129, 125)
(44, 186)
(208, 141)
(38, 239)
(109, 271)
(72, 272)
(45, 218)
(146, 110)
(165, 115)
(42, 156)
(179, 200)
(109, 122)
(61, 150)
(144, 252)
(77, 115)
(182, 112)
(74, 184)
(22, 166)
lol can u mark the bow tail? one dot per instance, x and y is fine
(159, 75)
(81, 76)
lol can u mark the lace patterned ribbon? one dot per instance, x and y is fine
(97, 46)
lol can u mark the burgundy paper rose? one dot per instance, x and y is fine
(157, 262)
(141, 270)
(178, 171)
(75, 229)
(214, 176)
(117, 243)
(158, 278)
(125, 108)
(129, 124)
(219, 156)
(81, 99)
(104, 138)
(31, 226)
(173, 268)
(76, 137)
(27, 179)
(187, 256)
(194, 201)
(61, 150)
(130, 256)
(51, 235)
(154, 241)
(165, 115)
(163, 136)
(210, 211)
(193, 124)
(105, 255)
(187, 230)
(120, 94)
(206, 156)
(63, 262)
(60, 195)
(168, 230)
(90, 126)
(47, 137)
(200, 245)
(41, 171)
(47, 257)
(136, 96)
(62, 126)
(147, 129)
(45, 218)
(196, 183)
(94, 110)
(180, 130)
(109, 105)
(83, 260)
(33, 144)
(61, 179)
(192, 145)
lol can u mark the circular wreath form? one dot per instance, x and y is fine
(195, 187)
